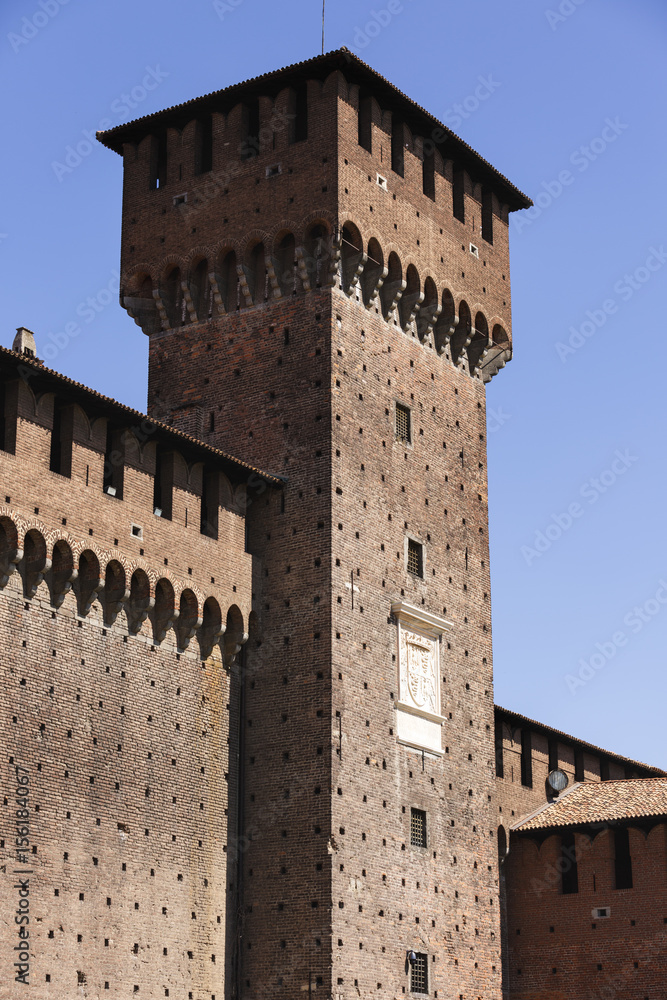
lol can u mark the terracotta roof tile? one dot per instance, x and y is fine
(121, 408)
(599, 802)
(336, 59)
(574, 740)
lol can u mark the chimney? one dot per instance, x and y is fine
(24, 343)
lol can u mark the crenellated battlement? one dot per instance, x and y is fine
(349, 185)
(124, 513)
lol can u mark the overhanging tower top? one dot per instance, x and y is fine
(320, 67)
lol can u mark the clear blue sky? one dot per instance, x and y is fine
(579, 93)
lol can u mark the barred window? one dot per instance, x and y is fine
(403, 423)
(418, 828)
(419, 974)
(415, 558)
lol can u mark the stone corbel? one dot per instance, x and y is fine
(33, 580)
(112, 608)
(349, 281)
(88, 599)
(410, 305)
(242, 272)
(64, 589)
(274, 285)
(136, 618)
(494, 359)
(208, 639)
(331, 274)
(444, 336)
(188, 304)
(164, 626)
(427, 319)
(460, 341)
(186, 632)
(232, 647)
(391, 296)
(372, 281)
(141, 310)
(215, 282)
(302, 268)
(10, 567)
(161, 308)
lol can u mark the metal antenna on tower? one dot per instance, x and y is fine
(323, 3)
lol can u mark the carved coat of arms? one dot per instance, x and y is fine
(420, 671)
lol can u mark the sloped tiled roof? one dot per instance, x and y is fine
(600, 801)
(342, 59)
(575, 741)
(120, 409)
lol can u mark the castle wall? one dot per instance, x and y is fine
(520, 789)
(117, 709)
(559, 947)
(327, 796)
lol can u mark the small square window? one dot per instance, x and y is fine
(403, 429)
(415, 558)
(418, 828)
(419, 974)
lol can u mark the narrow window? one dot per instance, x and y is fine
(250, 130)
(419, 974)
(114, 462)
(365, 123)
(568, 864)
(418, 828)
(604, 769)
(487, 216)
(579, 765)
(397, 151)
(158, 167)
(415, 558)
(428, 176)
(54, 457)
(209, 503)
(60, 458)
(526, 759)
(458, 189)
(3, 418)
(500, 769)
(622, 859)
(204, 145)
(163, 483)
(8, 416)
(403, 429)
(300, 121)
(553, 755)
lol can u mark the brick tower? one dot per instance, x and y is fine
(322, 269)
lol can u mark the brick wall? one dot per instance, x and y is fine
(558, 947)
(124, 732)
(332, 891)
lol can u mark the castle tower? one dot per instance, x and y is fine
(323, 271)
